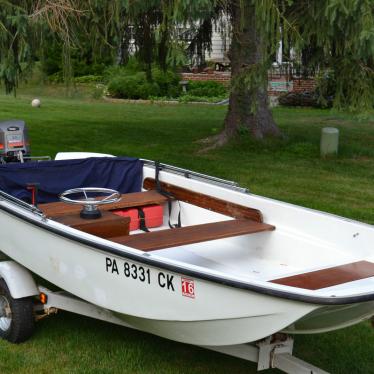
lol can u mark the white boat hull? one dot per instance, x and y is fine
(217, 315)
(227, 315)
(148, 291)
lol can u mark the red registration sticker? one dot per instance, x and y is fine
(188, 288)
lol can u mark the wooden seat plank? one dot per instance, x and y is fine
(128, 200)
(205, 201)
(329, 277)
(192, 234)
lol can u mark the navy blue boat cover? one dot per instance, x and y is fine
(123, 174)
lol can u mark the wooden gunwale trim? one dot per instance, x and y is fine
(205, 201)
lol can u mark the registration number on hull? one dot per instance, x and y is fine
(139, 273)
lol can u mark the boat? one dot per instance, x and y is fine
(223, 267)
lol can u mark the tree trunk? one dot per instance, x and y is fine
(163, 45)
(146, 42)
(248, 107)
(124, 31)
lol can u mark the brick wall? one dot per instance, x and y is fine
(277, 86)
(218, 76)
(302, 85)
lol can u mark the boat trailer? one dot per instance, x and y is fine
(272, 352)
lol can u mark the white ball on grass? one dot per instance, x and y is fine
(36, 103)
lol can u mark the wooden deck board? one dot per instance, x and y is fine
(329, 277)
(192, 234)
(128, 200)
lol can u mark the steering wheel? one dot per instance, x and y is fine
(90, 199)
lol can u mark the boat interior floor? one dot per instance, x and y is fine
(205, 244)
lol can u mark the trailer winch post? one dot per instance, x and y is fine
(274, 352)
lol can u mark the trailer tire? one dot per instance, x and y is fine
(17, 320)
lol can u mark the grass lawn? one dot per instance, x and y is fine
(289, 170)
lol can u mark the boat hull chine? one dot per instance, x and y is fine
(329, 318)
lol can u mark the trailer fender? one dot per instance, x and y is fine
(18, 279)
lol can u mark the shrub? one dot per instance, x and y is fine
(113, 72)
(199, 99)
(311, 99)
(116, 71)
(168, 82)
(81, 60)
(326, 88)
(56, 77)
(131, 83)
(133, 87)
(207, 89)
(98, 91)
(89, 79)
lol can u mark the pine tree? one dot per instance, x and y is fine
(338, 35)
(15, 43)
(23, 25)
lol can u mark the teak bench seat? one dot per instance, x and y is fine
(129, 200)
(333, 276)
(192, 234)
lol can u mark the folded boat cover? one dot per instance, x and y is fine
(123, 174)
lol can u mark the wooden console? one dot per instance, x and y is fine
(107, 226)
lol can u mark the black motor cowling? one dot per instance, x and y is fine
(14, 141)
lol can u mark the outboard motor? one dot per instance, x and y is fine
(14, 141)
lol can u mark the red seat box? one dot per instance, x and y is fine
(154, 216)
(132, 213)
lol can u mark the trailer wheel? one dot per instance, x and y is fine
(16, 316)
